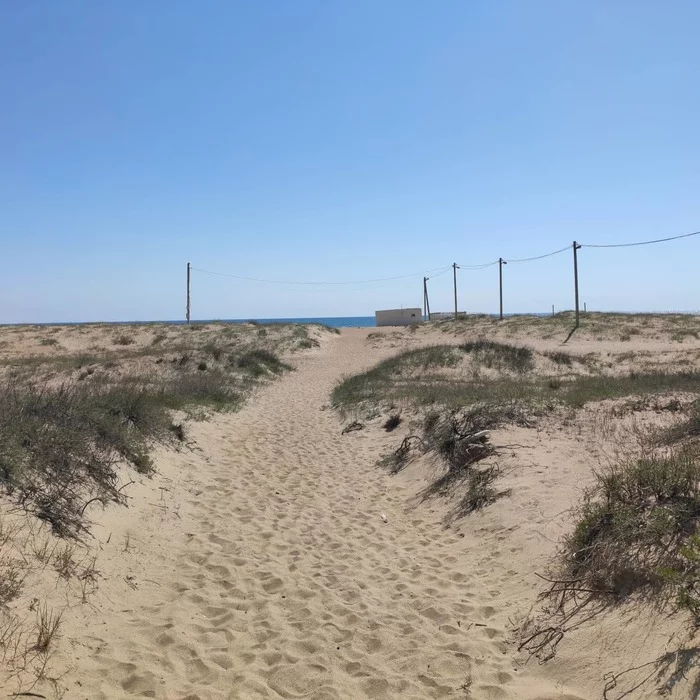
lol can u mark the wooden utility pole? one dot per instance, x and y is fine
(187, 311)
(454, 270)
(501, 263)
(576, 247)
(426, 301)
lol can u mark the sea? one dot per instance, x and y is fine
(333, 321)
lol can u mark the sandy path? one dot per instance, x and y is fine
(279, 578)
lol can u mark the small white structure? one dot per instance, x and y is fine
(398, 317)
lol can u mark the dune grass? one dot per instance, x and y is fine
(68, 421)
(416, 377)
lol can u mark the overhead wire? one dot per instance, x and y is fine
(477, 267)
(438, 270)
(537, 257)
(629, 245)
(437, 274)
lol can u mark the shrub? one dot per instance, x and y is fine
(214, 350)
(123, 339)
(392, 422)
(690, 428)
(635, 526)
(500, 355)
(59, 447)
(259, 362)
(559, 357)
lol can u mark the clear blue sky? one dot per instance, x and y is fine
(328, 140)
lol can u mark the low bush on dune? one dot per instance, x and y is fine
(260, 362)
(637, 532)
(124, 339)
(460, 442)
(559, 357)
(423, 378)
(61, 446)
(501, 356)
(689, 428)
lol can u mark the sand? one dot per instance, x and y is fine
(273, 559)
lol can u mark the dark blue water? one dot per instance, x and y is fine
(333, 321)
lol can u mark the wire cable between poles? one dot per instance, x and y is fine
(537, 257)
(437, 270)
(629, 245)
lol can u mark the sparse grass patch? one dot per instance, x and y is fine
(460, 440)
(48, 341)
(59, 447)
(500, 355)
(123, 339)
(392, 422)
(213, 350)
(48, 624)
(559, 357)
(689, 428)
(308, 343)
(260, 362)
(633, 526)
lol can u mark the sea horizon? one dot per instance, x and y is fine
(332, 321)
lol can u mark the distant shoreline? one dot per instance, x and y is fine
(333, 321)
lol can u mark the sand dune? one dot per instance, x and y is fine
(257, 564)
(278, 577)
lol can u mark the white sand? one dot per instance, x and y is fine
(258, 566)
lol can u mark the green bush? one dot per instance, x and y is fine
(260, 362)
(635, 527)
(500, 355)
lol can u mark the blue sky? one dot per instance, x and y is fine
(328, 140)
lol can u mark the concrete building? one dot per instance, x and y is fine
(398, 317)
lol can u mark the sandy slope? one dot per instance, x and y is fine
(266, 570)
(258, 565)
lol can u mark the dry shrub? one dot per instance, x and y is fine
(259, 362)
(500, 356)
(637, 528)
(123, 339)
(392, 422)
(460, 441)
(559, 357)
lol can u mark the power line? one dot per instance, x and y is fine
(437, 274)
(537, 257)
(629, 245)
(477, 267)
(437, 270)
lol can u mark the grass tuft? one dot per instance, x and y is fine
(634, 526)
(260, 362)
(392, 422)
(123, 339)
(500, 356)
